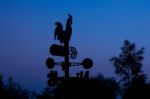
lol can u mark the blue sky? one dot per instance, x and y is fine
(99, 29)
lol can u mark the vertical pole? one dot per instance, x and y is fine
(66, 46)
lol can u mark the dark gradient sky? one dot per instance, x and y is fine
(99, 29)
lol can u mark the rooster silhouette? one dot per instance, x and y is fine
(63, 35)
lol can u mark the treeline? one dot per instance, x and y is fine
(13, 90)
(98, 87)
(133, 82)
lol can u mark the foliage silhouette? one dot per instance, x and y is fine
(46, 94)
(137, 90)
(12, 90)
(128, 64)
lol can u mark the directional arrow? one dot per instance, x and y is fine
(73, 52)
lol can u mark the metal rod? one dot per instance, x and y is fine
(66, 46)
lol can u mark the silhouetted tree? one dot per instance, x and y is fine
(46, 94)
(1, 82)
(12, 90)
(128, 64)
(137, 90)
(1, 86)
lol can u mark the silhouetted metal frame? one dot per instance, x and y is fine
(66, 68)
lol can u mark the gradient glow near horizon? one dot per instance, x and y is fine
(99, 29)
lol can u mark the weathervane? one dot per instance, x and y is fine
(64, 50)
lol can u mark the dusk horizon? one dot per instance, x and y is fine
(99, 30)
